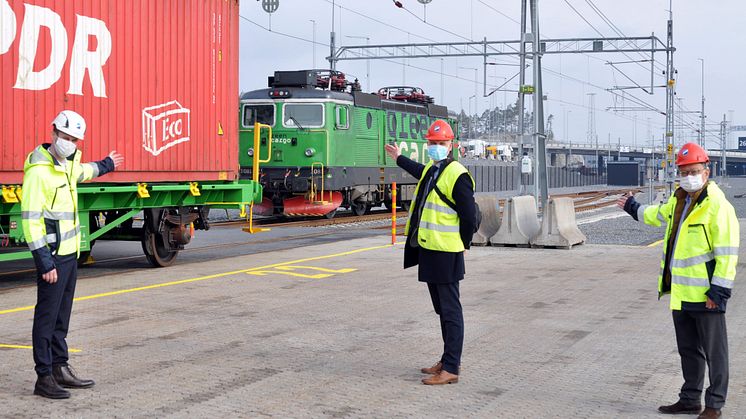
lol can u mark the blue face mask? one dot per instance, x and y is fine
(437, 152)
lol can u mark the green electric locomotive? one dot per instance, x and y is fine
(327, 145)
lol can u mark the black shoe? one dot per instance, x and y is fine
(47, 387)
(709, 413)
(65, 376)
(680, 408)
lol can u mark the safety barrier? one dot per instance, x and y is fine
(519, 222)
(558, 226)
(489, 208)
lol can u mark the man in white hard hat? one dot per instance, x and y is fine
(52, 229)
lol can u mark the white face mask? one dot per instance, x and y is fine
(692, 183)
(64, 148)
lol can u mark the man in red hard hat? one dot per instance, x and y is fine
(441, 223)
(698, 270)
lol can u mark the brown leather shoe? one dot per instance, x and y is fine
(435, 369)
(443, 377)
(709, 413)
(679, 408)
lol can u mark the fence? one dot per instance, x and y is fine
(506, 177)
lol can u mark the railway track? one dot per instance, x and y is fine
(584, 201)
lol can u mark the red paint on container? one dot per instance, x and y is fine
(156, 80)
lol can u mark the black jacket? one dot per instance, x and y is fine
(435, 266)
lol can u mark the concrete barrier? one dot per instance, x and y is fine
(488, 207)
(558, 226)
(519, 222)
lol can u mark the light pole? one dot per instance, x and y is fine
(475, 90)
(475, 82)
(702, 110)
(567, 117)
(505, 92)
(367, 62)
(314, 41)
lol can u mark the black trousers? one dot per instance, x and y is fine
(54, 302)
(446, 303)
(703, 341)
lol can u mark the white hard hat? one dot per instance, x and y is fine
(71, 123)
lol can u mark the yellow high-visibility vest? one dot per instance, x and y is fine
(439, 223)
(49, 201)
(706, 250)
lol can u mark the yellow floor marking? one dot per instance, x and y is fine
(311, 276)
(315, 268)
(285, 270)
(2, 345)
(655, 244)
(202, 278)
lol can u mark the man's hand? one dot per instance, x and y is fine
(393, 150)
(50, 277)
(623, 200)
(117, 158)
(710, 304)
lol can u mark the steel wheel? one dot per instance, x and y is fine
(157, 250)
(359, 208)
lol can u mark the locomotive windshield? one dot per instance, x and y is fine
(307, 115)
(264, 114)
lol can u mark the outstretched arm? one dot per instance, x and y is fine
(99, 168)
(412, 167)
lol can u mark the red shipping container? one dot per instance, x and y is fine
(156, 80)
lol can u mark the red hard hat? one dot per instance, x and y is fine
(439, 131)
(691, 153)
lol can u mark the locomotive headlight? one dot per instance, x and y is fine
(250, 152)
(309, 152)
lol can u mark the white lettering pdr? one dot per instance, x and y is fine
(27, 78)
(7, 26)
(81, 60)
(93, 61)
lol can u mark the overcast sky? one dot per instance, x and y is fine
(712, 30)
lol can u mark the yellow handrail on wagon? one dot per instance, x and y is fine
(255, 169)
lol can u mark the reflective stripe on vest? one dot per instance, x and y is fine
(439, 227)
(706, 249)
(47, 201)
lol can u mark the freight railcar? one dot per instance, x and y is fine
(156, 81)
(327, 145)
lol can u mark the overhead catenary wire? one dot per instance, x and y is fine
(619, 33)
(615, 28)
(299, 38)
(628, 97)
(388, 25)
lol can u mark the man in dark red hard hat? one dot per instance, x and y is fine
(441, 223)
(698, 270)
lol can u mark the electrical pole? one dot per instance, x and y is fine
(670, 95)
(442, 84)
(314, 41)
(521, 93)
(367, 62)
(332, 62)
(541, 183)
(591, 134)
(702, 139)
(723, 138)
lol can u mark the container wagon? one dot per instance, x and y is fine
(155, 80)
(328, 137)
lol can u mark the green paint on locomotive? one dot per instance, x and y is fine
(334, 133)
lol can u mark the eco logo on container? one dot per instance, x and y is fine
(164, 126)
